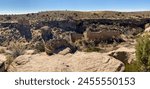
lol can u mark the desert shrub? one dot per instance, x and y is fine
(75, 14)
(2, 50)
(8, 17)
(9, 58)
(27, 15)
(17, 49)
(133, 67)
(32, 14)
(91, 47)
(95, 14)
(40, 47)
(118, 14)
(143, 52)
(82, 45)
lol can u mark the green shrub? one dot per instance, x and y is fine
(143, 53)
(133, 67)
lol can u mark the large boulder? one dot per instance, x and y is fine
(95, 62)
(57, 45)
(77, 62)
(65, 51)
(46, 33)
(124, 54)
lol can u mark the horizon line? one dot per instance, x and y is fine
(29, 12)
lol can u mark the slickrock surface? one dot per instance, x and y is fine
(78, 62)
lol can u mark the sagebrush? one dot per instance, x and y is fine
(143, 52)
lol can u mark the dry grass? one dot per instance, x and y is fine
(9, 58)
(17, 49)
(40, 47)
(2, 50)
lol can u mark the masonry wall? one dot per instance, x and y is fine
(75, 36)
(103, 35)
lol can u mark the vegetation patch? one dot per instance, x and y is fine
(143, 52)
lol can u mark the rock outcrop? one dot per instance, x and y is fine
(9, 24)
(78, 62)
(24, 29)
(2, 63)
(46, 33)
(124, 54)
(147, 27)
(56, 45)
(65, 51)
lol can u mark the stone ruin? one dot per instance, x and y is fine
(75, 36)
(98, 36)
(103, 35)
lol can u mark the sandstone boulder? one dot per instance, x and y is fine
(57, 45)
(124, 54)
(65, 51)
(77, 62)
(29, 52)
(95, 62)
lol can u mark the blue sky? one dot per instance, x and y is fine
(25, 6)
